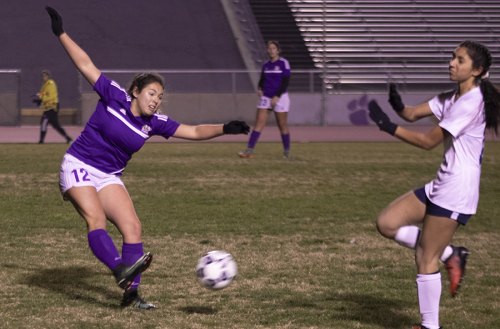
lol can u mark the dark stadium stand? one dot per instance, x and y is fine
(142, 35)
(276, 22)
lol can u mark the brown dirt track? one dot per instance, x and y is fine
(301, 134)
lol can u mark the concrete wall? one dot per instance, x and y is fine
(306, 109)
(9, 113)
(345, 109)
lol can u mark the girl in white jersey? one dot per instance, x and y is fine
(451, 198)
(90, 172)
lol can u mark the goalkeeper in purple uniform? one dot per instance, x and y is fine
(273, 96)
(90, 171)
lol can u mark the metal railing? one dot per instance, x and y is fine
(205, 92)
(339, 78)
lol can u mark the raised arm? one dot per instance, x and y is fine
(407, 113)
(79, 57)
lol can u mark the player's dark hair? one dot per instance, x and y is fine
(141, 80)
(481, 57)
(276, 43)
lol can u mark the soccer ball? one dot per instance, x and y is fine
(216, 269)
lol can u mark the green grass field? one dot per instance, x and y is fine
(302, 232)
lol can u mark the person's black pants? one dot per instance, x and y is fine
(50, 117)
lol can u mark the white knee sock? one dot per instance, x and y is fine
(429, 295)
(446, 253)
(407, 236)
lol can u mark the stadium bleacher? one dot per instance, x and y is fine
(364, 43)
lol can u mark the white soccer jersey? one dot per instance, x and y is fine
(456, 186)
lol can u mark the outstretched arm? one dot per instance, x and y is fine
(426, 141)
(79, 57)
(201, 132)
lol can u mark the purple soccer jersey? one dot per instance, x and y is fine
(113, 134)
(273, 74)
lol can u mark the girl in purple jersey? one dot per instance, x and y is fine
(273, 96)
(451, 198)
(91, 169)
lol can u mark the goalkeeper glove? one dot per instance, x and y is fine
(236, 127)
(395, 98)
(381, 119)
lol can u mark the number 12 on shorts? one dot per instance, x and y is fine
(81, 175)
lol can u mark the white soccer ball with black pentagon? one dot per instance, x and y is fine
(216, 269)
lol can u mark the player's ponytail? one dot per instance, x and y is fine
(491, 98)
(481, 57)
